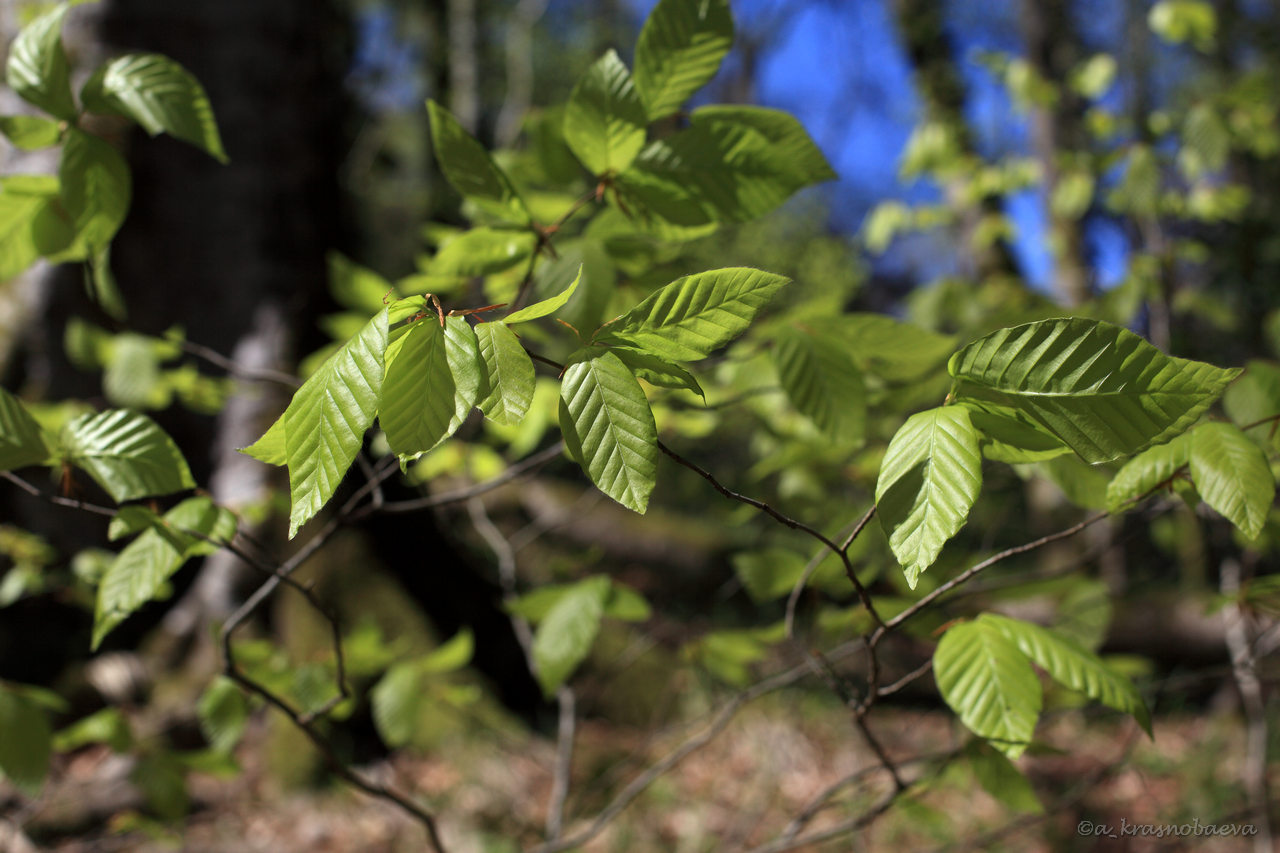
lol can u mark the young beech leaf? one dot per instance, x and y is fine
(1232, 475)
(510, 374)
(127, 454)
(989, 683)
(791, 143)
(679, 51)
(471, 170)
(160, 95)
(929, 479)
(604, 122)
(96, 188)
(482, 251)
(30, 133)
(22, 442)
(657, 371)
(38, 70)
(1072, 666)
(435, 376)
(1009, 435)
(1150, 468)
(692, 317)
(271, 447)
(547, 306)
(325, 422)
(565, 635)
(138, 573)
(609, 427)
(1102, 390)
(822, 382)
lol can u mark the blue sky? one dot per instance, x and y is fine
(837, 65)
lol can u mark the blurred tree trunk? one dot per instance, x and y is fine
(1053, 49)
(930, 51)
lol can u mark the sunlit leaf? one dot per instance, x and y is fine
(822, 382)
(564, 638)
(1104, 391)
(127, 454)
(692, 317)
(1232, 475)
(22, 441)
(38, 70)
(611, 427)
(604, 122)
(1072, 666)
(990, 685)
(511, 376)
(679, 51)
(929, 479)
(160, 95)
(471, 170)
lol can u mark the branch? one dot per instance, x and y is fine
(519, 469)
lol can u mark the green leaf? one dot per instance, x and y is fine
(434, 378)
(711, 172)
(823, 383)
(896, 351)
(679, 51)
(325, 422)
(626, 604)
(450, 656)
(270, 448)
(38, 70)
(31, 223)
(25, 741)
(1104, 391)
(22, 442)
(622, 602)
(1150, 468)
(1255, 397)
(611, 427)
(511, 376)
(160, 95)
(1010, 436)
(138, 574)
(127, 454)
(30, 133)
(396, 702)
(1081, 483)
(106, 726)
(692, 317)
(357, 287)
(989, 683)
(1001, 779)
(929, 479)
(1232, 475)
(483, 251)
(564, 638)
(790, 142)
(223, 712)
(96, 188)
(604, 122)
(657, 371)
(1072, 666)
(471, 170)
(547, 306)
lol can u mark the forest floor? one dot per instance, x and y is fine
(740, 791)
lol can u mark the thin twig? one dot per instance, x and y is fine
(519, 469)
(253, 374)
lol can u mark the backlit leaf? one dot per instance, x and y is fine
(22, 442)
(564, 638)
(822, 382)
(604, 122)
(611, 427)
(471, 170)
(38, 70)
(127, 454)
(1150, 468)
(679, 51)
(160, 95)
(511, 376)
(990, 685)
(1104, 391)
(692, 317)
(325, 423)
(1072, 666)
(1232, 475)
(929, 479)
